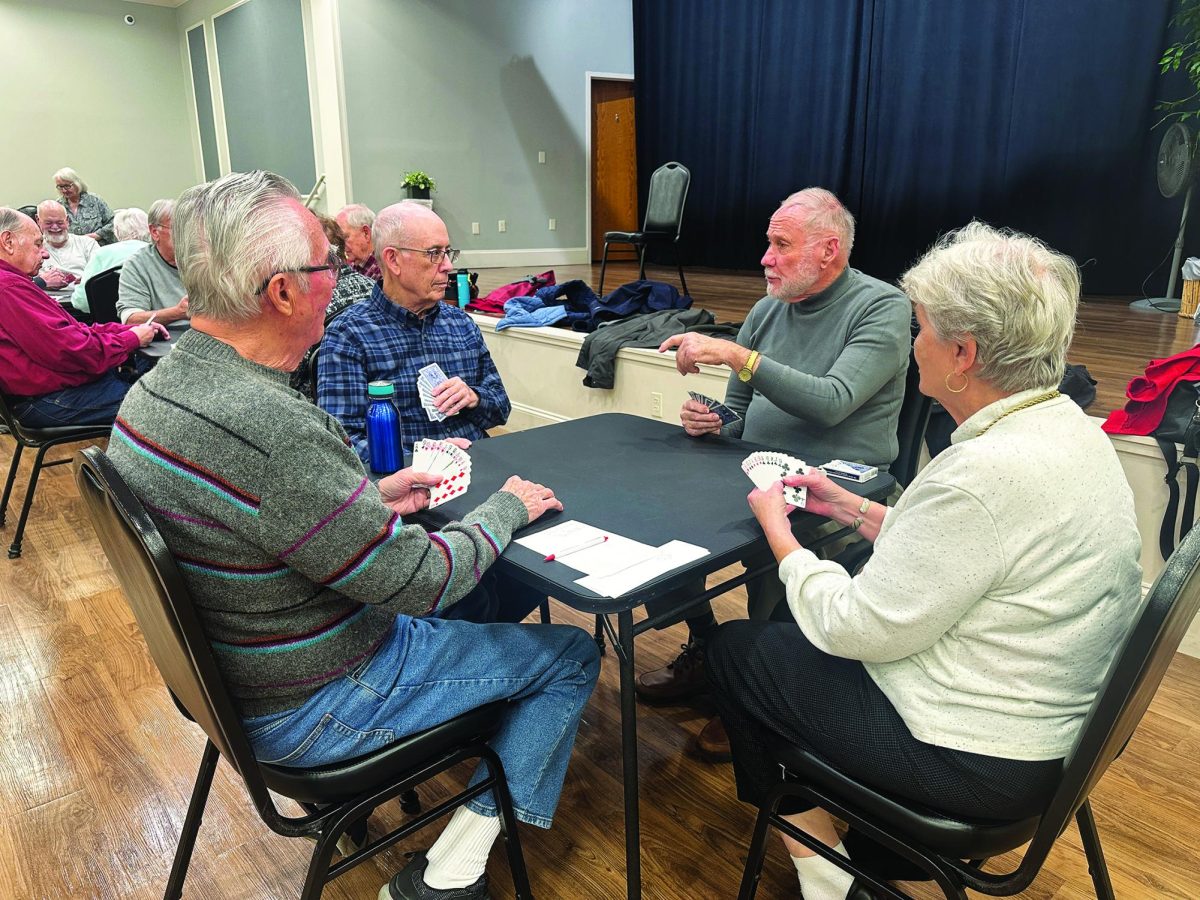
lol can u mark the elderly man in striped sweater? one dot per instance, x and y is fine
(320, 602)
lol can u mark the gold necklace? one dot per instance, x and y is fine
(1033, 401)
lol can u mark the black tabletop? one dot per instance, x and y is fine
(635, 477)
(160, 348)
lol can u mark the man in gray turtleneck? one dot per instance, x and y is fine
(817, 370)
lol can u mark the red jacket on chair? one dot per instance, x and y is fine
(1148, 393)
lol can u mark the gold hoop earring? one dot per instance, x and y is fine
(965, 379)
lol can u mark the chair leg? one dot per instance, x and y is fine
(603, 266)
(544, 611)
(508, 826)
(410, 803)
(679, 266)
(642, 263)
(754, 857)
(14, 549)
(12, 475)
(191, 822)
(598, 635)
(1097, 867)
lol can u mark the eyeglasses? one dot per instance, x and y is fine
(434, 254)
(334, 264)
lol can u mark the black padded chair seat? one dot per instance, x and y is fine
(341, 781)
(636, 237)
(950, 837)
(37, 436)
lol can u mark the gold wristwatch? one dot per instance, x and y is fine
(746, 372)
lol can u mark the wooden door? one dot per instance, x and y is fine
(614, 166)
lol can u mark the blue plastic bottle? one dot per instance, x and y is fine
(383, 429)
(464, 287)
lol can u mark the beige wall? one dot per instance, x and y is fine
(88, 91)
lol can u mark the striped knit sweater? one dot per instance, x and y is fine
(296, 566)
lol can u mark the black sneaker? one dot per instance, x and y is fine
(409, 884)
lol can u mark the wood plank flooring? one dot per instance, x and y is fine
(96, 766)
(1112, 340)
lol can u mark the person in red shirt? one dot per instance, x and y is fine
(54, 369)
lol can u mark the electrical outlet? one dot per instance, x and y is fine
(656, 404)
(474, 228)
(502, 225)
(554, 224)
(542, 157)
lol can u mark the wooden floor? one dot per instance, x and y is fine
(1112, 340)
(96, 765)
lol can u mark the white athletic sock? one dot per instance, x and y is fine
(459, 855)
(821, 879)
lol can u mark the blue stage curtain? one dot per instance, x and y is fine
(920, 115)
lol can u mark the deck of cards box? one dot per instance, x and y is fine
(767, 467)
(445, 459)
(850, 471)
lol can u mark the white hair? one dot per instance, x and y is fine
(1009, 291)
(131, 225)
(66, 173)
(160, 212)
(389, 225)
(825, 215)
(357, 215)
(11, 219)
(231, 235)
(48, 205)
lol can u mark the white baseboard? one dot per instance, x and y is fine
(546, 256)
(524, 416)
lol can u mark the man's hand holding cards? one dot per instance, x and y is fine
(766, 467)
(704, 415)
(447, 460)
(442, 397)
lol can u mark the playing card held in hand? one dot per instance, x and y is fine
(767, 467)
(445, 459)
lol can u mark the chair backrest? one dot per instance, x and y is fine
(668, 194)
(910, 430)
(1132, 680)
(163, 608)
(101, 290)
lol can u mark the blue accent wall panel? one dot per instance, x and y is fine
(197, 51)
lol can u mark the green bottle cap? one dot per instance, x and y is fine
(380, 389)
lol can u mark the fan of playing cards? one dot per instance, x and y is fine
(766, 467)
(427, 379)
(725, 414)
(445, 459)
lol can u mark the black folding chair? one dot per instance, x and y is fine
(334, 797)
(101, 293)
(664, 215)
(937, 843)
(40, 439)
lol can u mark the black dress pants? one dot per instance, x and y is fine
(769, 679)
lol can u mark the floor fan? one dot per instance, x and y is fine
(1176, 172)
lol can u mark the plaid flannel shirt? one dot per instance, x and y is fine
(378, 340)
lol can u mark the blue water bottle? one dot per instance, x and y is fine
(383, 429)
(464, 287)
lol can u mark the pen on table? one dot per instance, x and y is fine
(153, 316)
(594, 542)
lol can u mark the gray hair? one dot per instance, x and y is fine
(131, 225)
(825, 215)
(66, 173)
(389, 225)
(1009, 291)
(232, 234)
(49, 205)
(11, 219)
(160, 212)
(357, 215)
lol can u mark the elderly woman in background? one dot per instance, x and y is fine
(132, 230)
(957, 667)
(351, 287)
(88, 214)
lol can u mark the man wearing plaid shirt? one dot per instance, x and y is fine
(403, 327)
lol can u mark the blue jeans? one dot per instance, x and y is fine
(94, 403)
(430, 670)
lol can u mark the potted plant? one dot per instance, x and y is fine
(1185, 55)
(418, 185)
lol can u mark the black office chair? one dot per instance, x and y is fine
(664, 215)
(335, 797)
(937, 843)
(40, 439)
(101, 293)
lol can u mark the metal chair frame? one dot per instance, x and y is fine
(664, 218)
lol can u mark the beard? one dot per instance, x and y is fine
(798, 286)
(56, 240)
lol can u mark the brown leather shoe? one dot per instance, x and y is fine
(712, 743)
(678, 680)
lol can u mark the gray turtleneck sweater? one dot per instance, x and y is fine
(831, 379)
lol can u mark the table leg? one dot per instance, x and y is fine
(633, 852)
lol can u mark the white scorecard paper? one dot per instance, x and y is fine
(669, 556)
(613, 555)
